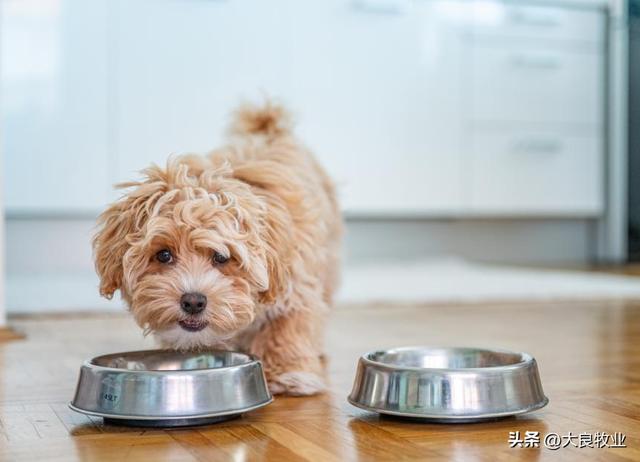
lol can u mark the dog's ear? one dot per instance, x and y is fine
(276, 230)
(278, 250)
(110, 243)
(123, 220)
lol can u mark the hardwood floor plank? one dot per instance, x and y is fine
(245, 442)
(80, 424)
(295, 442)
(199, 446)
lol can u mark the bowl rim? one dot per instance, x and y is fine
(251, 360)
(526, 359)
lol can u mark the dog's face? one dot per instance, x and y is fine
(189, 250)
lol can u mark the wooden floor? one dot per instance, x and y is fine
(588, 353)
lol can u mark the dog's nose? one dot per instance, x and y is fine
(193, 303)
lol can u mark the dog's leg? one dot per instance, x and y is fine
(289, 349)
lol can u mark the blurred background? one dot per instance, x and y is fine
(463, 135)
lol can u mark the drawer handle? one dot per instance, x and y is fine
(534, 62)
(381, 7)
(537, 146)
(523, 18)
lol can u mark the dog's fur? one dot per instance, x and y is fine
(264, 202)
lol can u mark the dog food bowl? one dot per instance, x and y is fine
(163, 388)
(448, 384)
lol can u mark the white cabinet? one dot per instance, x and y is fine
(55, 107)
(180, 67)
(379, 83)
(535, 137)
(535, 171)
(414, 106)
(514, 20)
(521, 83)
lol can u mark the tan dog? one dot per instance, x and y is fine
(238, 250)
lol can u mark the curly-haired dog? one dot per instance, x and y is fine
(238, 249)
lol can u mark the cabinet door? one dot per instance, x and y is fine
(534, 84)
(182, 65)
(513, 21)
(54, 98)
(380, 85)
(536, 172)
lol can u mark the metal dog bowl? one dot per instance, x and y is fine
(448, 384)
(163, 388)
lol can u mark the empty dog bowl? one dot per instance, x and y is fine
(163, 388)
(447, 384)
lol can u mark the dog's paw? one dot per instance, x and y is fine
(297, 383)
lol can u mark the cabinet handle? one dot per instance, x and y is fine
(537, 146)
(381, 7)
(523, 18)
(534, 62)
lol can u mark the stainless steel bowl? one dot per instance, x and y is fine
(448, 384)
(169, 388)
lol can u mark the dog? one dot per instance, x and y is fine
(238, 249)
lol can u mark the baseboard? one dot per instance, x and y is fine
(57, 292)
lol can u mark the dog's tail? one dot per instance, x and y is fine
(269, 119)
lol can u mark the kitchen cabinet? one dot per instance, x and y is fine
(540, 171)
(55, 136)
(427, 108)
(380, 85)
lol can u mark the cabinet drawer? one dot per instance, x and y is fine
(539, 172)
(517, 84)
(55, 106)
(510, 20)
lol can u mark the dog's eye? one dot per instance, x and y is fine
(219, 259)
(164, 256)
